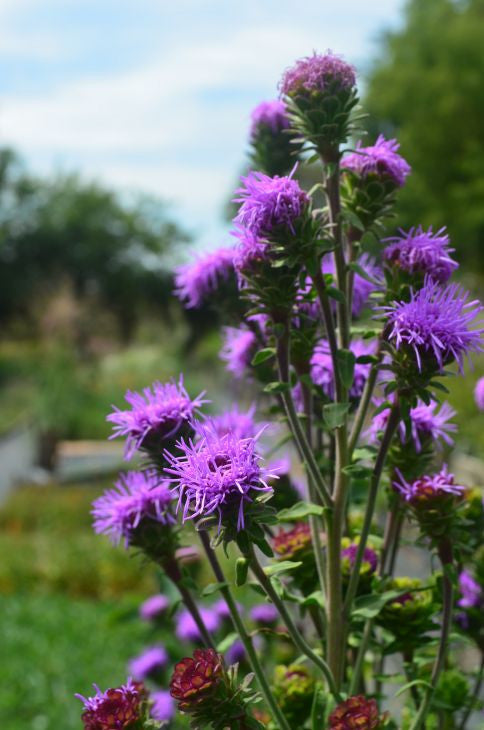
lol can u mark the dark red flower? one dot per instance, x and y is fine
(114, 709)
(289, 545)
(195, 678)
(357, 713)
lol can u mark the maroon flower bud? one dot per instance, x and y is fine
(114, 709)
(291, 545)
(195, 679)
(357, 713)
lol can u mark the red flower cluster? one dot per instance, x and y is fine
(357, 713)
(114, 709)
(195, 678)
(289, 545)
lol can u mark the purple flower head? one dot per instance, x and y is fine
(155, 415)
(435, 324)
(163, 708)
(269, 114)
(238, 350)
(154, 607)
(249, 252)
(381, 160)
(199, 279)
(419, 251)
(187, 629)
(222, 610)
(269, 203)
(470, 590)
(264, 614)
(315, 73)
(240, 423)
(425, 421)
(218, 474)
(235, 653)
(429, 487)
(149, 663)
(369, 556)
(136, 496)
(322, 367)
(117, 708)
(362, 288)
(479, 393)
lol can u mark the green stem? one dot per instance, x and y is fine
(294, 632)
(243, 634)
(334, 207)
(391, 427)
(445, 555)
(363, 407)
(320, 286)
(360, 658)
(475, 695)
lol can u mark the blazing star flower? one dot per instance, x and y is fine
(238, 350)
(195, 678)
(362, 288)
(322, 372)
(249, 252)
(314, 74)
(369, 556)
(187, 629)
(419, 251)
(264, 614)
(270, 114)
(163, 708)
(426, 423)
(197, 280)
(222, 610)
(479, 393)
(155, 415)
(154, 607)
(470, 590)
(149, 663)
(219, 475)
(429, 487)
(269, 203)
(435, 324)
(356, 713)
(137, 496)
(380, 160)
(114, 709)
(241, 424)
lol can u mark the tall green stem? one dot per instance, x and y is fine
(243, 634)
(294, 632)
(475, 695)
(445, 555)
(363, 407)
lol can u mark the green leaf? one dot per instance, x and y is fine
(345, 360)
(314, 599)
(299, 511)
(227, 642)
(212, 588)
(276, 387)
(370, 606)
(364, 274)
(283, 567)
(334, 414)
(256, 587)
(413, 683)
(335, 293)
(382, 407)
(262, 355)
(438, 386)
(241, 571)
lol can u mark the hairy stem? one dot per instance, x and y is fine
(243, 634)
(294, 632)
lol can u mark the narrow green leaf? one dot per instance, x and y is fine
(262, 355)
(276, 387)
(335, 293)
(212, 588)
(299, 511)
(357, 268)
(334, 414)
(241, 571)
(346, 367)
(283, 567)
(227, 642)
(413, 683)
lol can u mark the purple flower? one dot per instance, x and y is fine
(428, 487)
(322, 372)
(117, 708)
(235, 653)
(218, 475)
(369, 556)
(155, 415)
(197, 280)
(222, 610)
(419, 251)
(362, 288)
(479, 393)
(264, 614)
(163, 709)
(149, 663)
(234, 421)
(425, 422)
(154, 607)
(381, 160)
(187, 629)
(269, 203)
(435, 324)
(470, 591)
(137, 496)
(238, 350)
(314, 74)
(249, 252)
(270, 114)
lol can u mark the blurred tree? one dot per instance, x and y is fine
(111, 252)
(427, 89)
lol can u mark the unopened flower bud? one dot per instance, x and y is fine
(356, 713)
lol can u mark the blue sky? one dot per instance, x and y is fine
(155, 96)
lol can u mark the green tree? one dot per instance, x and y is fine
(427, 89)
